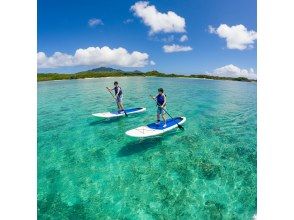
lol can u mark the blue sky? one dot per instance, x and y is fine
(63, 26)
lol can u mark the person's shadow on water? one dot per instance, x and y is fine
(104, 121)
(139, 146)
(142, 145)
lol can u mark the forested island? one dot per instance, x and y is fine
(109, 72)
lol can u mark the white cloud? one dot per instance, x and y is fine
(168, 39)
(94, 22)
(152, 63)
(127, 21)
(176, 48)
(103, 56)
(211, 29)
(158, 22)
(184, 38)
(237, 37)
(234, 71)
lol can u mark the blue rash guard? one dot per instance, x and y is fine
(160, 99)
(118, 91)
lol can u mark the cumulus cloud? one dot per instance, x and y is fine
(94, 22)
(234, 71)
(97, 56)
(168, 39)
(168, 22)
(176, 48)
(211, 30)
(237, 37)
(152, 63)
(127, 21)
(184, 38)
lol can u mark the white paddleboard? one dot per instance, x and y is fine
(116, 114)
(153, 129)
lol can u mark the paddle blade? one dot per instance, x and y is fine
(181, 127)
(125, 113)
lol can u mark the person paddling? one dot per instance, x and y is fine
(118, 96)
(161, 106)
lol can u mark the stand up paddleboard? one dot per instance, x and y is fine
(116, 114)
(154, 129)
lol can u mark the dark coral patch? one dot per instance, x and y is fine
(214, 210)
(98, 154)
(52, 207)
(208, 170)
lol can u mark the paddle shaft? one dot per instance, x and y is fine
(180, 126)
(110, 92)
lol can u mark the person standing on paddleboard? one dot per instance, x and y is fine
(118, 96)
(161, 106)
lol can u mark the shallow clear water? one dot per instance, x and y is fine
(89, 169)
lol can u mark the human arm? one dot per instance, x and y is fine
(154, 97)
(164, 103)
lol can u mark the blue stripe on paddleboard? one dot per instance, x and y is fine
(127, 111)
(169, 122)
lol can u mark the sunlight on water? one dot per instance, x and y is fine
(89, 169)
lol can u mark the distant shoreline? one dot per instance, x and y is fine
(93, 75)
(188, 78)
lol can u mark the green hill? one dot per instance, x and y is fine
(109, 72)
(105, 69)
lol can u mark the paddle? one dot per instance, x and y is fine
(179, 126)
(115, 98)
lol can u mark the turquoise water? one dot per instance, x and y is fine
(89, 169)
